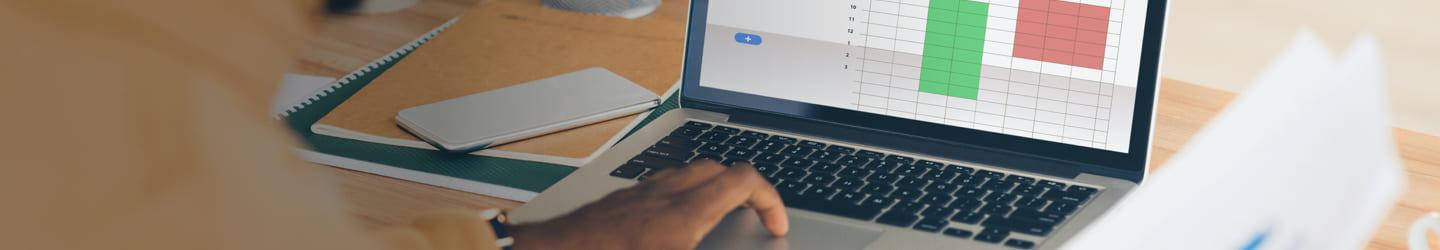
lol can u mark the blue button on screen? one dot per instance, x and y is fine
(750, 39)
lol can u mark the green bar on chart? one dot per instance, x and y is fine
(954, 44)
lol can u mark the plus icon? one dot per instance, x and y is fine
(750, 39)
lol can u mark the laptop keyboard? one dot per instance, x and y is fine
(892, 189)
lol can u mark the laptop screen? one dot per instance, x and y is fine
(1053, 70)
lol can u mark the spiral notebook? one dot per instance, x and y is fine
(508, 178)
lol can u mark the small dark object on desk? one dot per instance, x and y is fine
(342, 6)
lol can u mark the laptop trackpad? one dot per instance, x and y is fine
(742, 229)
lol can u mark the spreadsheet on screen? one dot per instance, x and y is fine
(1055, 70)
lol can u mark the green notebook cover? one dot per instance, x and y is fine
(524, 175)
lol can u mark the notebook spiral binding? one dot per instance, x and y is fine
(388, 58)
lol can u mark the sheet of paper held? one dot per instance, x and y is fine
(1303, 159)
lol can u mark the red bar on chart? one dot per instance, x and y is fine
(1062, 32)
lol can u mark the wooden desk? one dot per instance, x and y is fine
(347, 42)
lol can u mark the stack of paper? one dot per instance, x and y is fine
(1301, 160)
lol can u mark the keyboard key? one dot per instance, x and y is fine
(791, 173)
(938, 212)
(820, 191)
(1018, 226)
(799, 163)
(906, 194)
(1021, 183)
(1062, 207)
(968, 217)
(882, 178)
(714, 137)
(907, 207)
(849, 197)
(826, 167)
(1021, 244)
(1000, 198)
(910, 170)
(936, 199)
(766, 169)
(965, 204)
(628, 171)
(820, 179)
(825, 156)
(931, 224)
(741, 154)
(727, 130)
(699, 125)
(840, 149)
(850, 184)
(1020, 179)
(912, 182)
(741, 142)
(791, 186)
(996, 209)
(940, 176)
(654, 162)
(784, 139)
(961, 233)
(1052, 185)
(1066, 196)
(835, 207)
(854, 173)
(769, 158)
(752, 134)
(885, 166)
(877, 201)
(870, 154)
(647, 174)
(930, 164)
(713, 148)
(960, 169)
(711, 157)
(1081, 190)
(898, 219)
(1030, 203)
(687, 133)
(1028, 190)
(678, 143)
(992, 235)
(941, 187)
(991, 174)
(877, 189)
(898, 158)
(998, 186)
(971, 193)
(1037, 217)
(969, 181)
(854, 161)
(812, 144)
(769, 146)
(669, 153)
(797, 151)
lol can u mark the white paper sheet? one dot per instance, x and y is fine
(1304, 159)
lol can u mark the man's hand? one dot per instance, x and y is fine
(672, 210)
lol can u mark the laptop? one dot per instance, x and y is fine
(905, 124)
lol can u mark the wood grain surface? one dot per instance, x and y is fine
(344, 43)
(480, 53)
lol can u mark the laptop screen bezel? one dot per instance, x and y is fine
(1132, 162)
